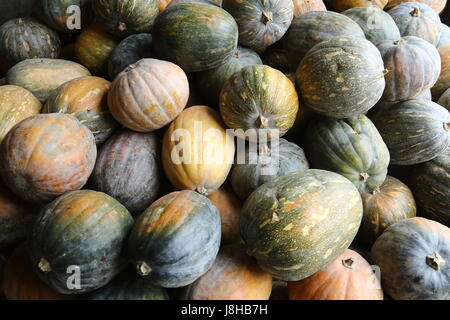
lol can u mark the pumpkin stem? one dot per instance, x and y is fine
(348, 263)
(44, 265)
(275, 217)
(385, 72)
(262, 122)
(237, 54)
(202, 190)
(363, 176)
(435, 261)
(399, 42)
(447, 126)
(122, 26)
(143, 268)
(19, 21)
(415, 12)
(267, 17)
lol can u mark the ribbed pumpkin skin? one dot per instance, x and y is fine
(351, 147)
(436, 5)
(259, 97)
(260, 22)
(233, 276)
(341, 77)
(22, 39)
(445, 36)
(265, 164)
(314, 27)
(414, 131)
(54, 13)
(176, 239)
(130, 50)
(16, 104)
(83, 228)
(296, 224)
(86, 99)
(195, 36)
(408, 254)
(443, 83)
(349, 277)
(413, 66)
(417, 19)
(376, 24)
(128, 169)
(148, 95)
(47, 155)
(202, 159)
(15, 9)
(444, 100)
(304, 6)
(42, 76)
(341, 5)
(393, 201)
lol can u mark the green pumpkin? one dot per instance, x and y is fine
(57, 15)
(298, 223)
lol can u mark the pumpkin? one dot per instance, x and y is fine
(176, 239)
(298, 223)
(444, 100)
(414, 131)
(314, 27)
(349, 277)
(217, 3)
(196, 36)
(47, 155)
(341, 77)
(130, 50)
(351, 147)
(229, 206)
(431, 185)
(261, 163)
(148, 95)
(25, 38)
(211, 81)
(15, 9)
(413, 66)
(260, 22)
(197, 152)
(16, 104)
(436, 5)
(376, 24)
(233, 276)
(412, 256)
(93, 49)
(86, 99)
(393, 201)
(443, 82)
(20, 282)
(417, 19)
(163, 4)
(304, 6)
(42, 76)
(127, 169)
(61, 16)
(342, 5)
(445, 36)
(278, 59)
(261, 99)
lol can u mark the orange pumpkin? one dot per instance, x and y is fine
(163, 4)
(437, 5)
(304, 6)
(342, 5)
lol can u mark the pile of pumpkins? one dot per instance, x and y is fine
(104, 196)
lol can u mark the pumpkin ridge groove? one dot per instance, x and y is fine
(137, 107)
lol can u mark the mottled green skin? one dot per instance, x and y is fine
(22, 39)
(341, 77)
(15, 9)
(444, 100)
(54, 13)
(260, 168)
(195, 36)
(296, 224)
(126, 17)
(444, 39)
(351, 147)
(81, 228)
(415, 131)
(401, 253)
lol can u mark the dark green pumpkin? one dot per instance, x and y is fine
(444, 100)
(351, 147)
(59, 15)
(341, 77)
(195, 36)
(176, 239)
(413, 258)
(26, 38)
(86, 229)
(414, 131)
(444, 39)
(264, 164)
(296, 224)
(214, 2)
(15, 9)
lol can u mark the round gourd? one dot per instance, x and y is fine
(148, 95)
(304, 6)
(341, 77)
(259, 164)
(195, 36)
(413, 66)
(445, 36)
(436, 5)
(26, 38)
(86, 99)
(443, 83)
(351, 147)
(342, 5)
(47, 155)
(298, 223)
(259, 97)
(444, 100)
(349, 277)
(413, 258)
(197, 152)
(176, 239)
(15, 9)
(61, 15)
(414, 131)
(42, 76)
(127, 169)
(260, 22)
(233, 276)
